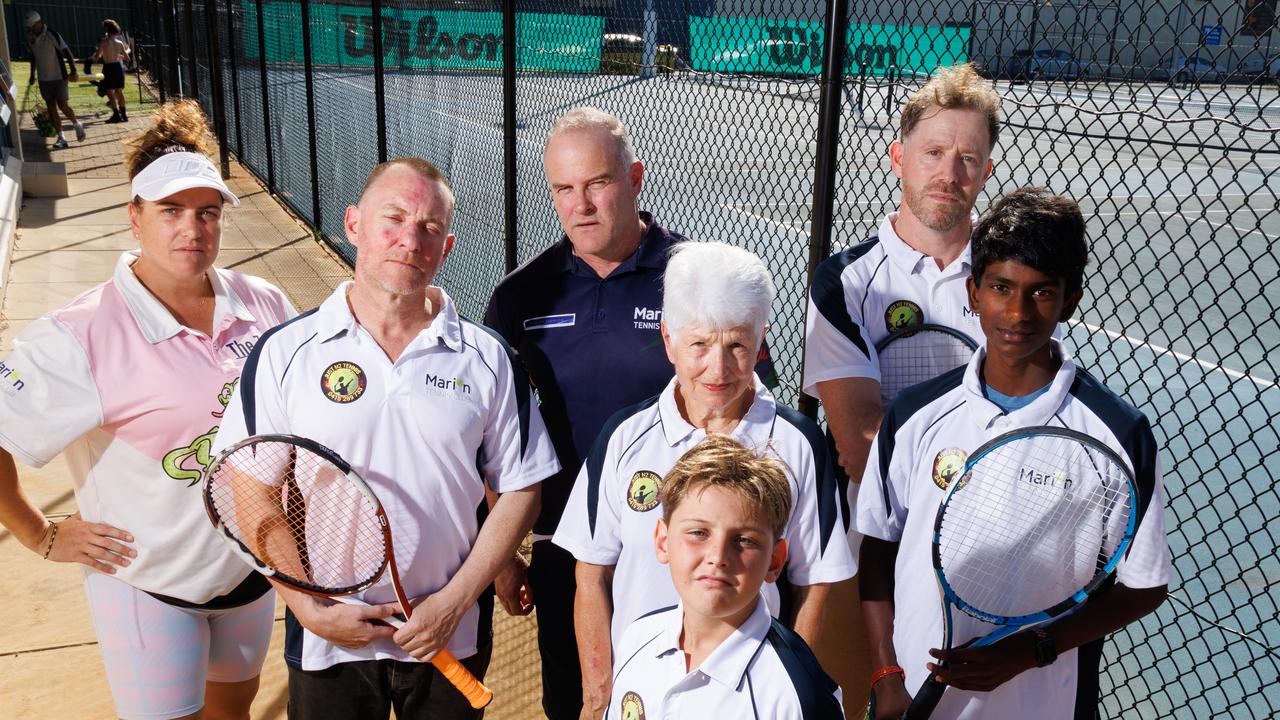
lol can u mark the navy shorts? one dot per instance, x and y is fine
(112, 76)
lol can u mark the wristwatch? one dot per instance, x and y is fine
(1046, 649)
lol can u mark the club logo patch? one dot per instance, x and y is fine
(632, 707)
(947, 466)
(903, 313)
(642, 495)
(343, 382)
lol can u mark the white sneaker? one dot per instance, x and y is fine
(61, 144)
(79, 132)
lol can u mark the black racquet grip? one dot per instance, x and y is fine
(926, 700)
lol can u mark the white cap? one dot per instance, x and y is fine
(31, 18)
(174, 172)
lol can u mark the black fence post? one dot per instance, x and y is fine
(189, 49)
(171, 38)
(156, 63)
(219, 103)
(266, 104)
(827, 156)
(308, 74)
(234, 61)
(510, 183)
(379, 86)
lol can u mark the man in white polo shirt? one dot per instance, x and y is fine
(48, 53)
(912, 271)
(431, 410)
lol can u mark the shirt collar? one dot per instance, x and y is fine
(655, 245)
(1039, 412)
(754, 429)
(334, 319)
(728, 663)
(154, 319)
(910, 260)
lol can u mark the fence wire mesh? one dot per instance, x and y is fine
(1159, 117)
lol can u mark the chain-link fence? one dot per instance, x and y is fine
(1159, 117)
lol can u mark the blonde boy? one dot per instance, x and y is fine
(718, 653)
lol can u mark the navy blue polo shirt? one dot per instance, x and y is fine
(591, 345)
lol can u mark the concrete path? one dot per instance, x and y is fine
(49, 661)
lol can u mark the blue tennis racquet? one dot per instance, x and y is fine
(1036, 522)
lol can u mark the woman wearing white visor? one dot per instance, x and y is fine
(130, 379)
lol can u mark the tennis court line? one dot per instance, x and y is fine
(771, 221)
(460, 118)
(1159, 350)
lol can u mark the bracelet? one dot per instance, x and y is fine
(53, 535)
(885, 672)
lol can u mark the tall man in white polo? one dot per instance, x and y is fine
(912, 271)
(430, 410)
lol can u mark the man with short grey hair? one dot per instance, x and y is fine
(585, 317)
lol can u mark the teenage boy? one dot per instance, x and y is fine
(718, 653)
(1029, 255)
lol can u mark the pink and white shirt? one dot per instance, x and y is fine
(135, 399)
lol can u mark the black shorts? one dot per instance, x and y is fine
(112, 76)
(371, 689)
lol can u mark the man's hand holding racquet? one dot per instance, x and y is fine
(348, 626)
(986, 668)
(435, 619)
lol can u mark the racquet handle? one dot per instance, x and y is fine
(457, 674)
(926, 700)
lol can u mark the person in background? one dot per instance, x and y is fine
(114, 53)
(53, 64)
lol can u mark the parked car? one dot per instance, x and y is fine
(1259, 68)
(1197, 69)
(1044, 63)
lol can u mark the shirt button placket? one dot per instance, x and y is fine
(600, 317)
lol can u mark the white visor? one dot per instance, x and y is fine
(174, 172)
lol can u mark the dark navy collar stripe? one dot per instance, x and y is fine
(828, 292)
(595, 459)
(249, 373)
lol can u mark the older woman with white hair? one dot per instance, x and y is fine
(716, 301)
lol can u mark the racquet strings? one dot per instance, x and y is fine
(300, 515)
(1034, 521)
(918, 357)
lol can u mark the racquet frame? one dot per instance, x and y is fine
(476, 693)
(927, 697)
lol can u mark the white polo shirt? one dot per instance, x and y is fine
(427, 433)
(46, 53)
(861, 295)
(614, 506)
(933, 427)
(763, 671)
(135, 398)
